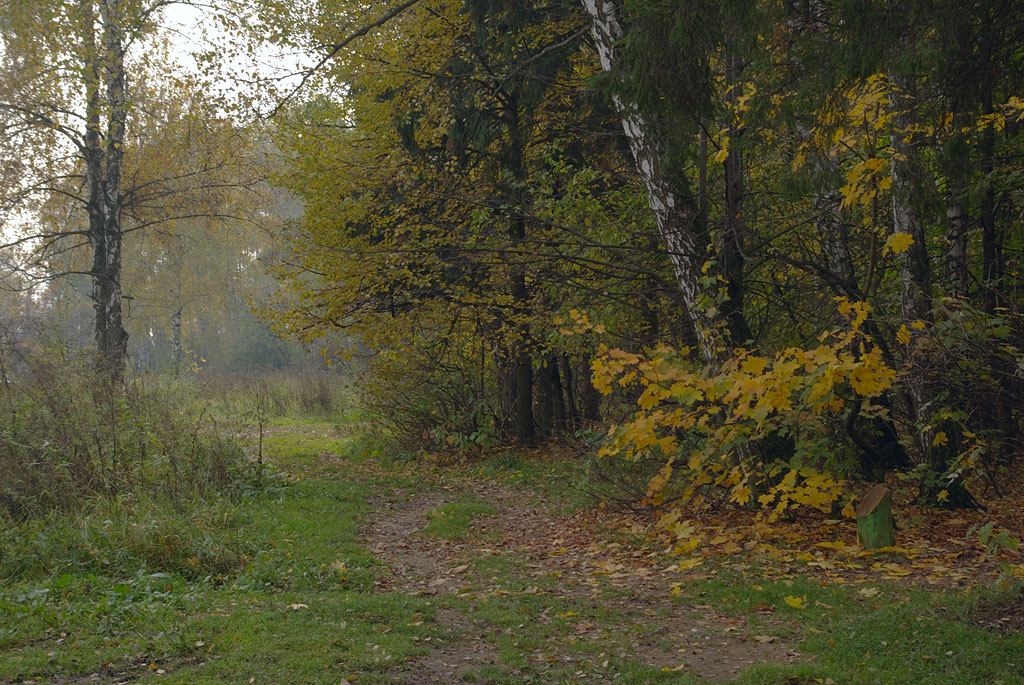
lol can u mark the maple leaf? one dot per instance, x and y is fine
(796, 602)
(723, 151)
(898, 243)
(903, 335)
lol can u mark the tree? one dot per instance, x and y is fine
(74, 75)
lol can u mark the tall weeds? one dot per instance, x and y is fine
(68, 436)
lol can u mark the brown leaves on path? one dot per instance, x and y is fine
(564, 557)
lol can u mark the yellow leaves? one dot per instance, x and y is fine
(754, 365)
(864, 181)
(687, 564)
(940, 439)
(942, 496)
(581, 324)
(805, 487)
(610, 365)
(741, 494)
(723, 150)
(855, 312)
(752, 396)
(995, 120)
(796, 602)
(903, 335)
(658, 483)
(871, 377)
(898, 243)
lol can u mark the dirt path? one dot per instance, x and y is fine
(631, 586)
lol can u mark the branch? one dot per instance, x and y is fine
(338, 47)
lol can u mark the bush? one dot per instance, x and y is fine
(110, 477)
(68, 437)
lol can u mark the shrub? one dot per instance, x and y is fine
(68, 437)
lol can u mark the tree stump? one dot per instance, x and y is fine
(875, 526)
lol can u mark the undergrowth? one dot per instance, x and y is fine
(110, 477)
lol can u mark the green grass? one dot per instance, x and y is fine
(301, 611)
(302, 605)
(452, 521)
(870, 633)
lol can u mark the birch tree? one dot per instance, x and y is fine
(71, 78)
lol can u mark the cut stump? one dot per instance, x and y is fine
(875, 526)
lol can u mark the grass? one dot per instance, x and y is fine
(301, 611)
(871, 633)
(303, 606)
(452, 521)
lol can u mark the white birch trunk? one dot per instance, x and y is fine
(675, 223)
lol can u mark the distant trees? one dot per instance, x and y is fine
(78, 90)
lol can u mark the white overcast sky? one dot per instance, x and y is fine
(192, 31)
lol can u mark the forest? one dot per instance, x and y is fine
(512, 341)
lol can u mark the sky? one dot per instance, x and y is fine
(191, 30)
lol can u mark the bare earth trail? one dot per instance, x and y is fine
(560, 558)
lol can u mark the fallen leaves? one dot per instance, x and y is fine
(796, 602)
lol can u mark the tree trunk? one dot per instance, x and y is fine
(956, 248)
(525, 430)
(835, 246)
(506, 373)
(675, 221)
(875, 527)
(176, 352)
(591, 398)
(515, 164)
(103, 181)
(557, 397)
(545, 410)
(991, 247)
(569, 385)
(913, 267)
(733, 228)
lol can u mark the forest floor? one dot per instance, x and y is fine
(377, 571)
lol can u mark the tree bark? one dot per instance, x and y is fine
(875, 527)
(991, 248)
(733, 229)
(525, 428)
(591, 398)
(557, 397)
(545, 411)
(956, 248)
(913, 267)
(569, 386)
(103, 180)
(676, 222)
(176, 351)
